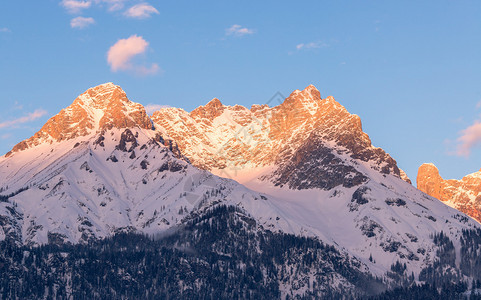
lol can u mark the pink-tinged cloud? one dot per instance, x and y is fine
(28, 118)
(470, 137)
(81, 22)
(238, 30)
(75, 6)
(141, 11)
(120, 56)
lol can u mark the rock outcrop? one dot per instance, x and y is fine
(228, 139)
(103, 107)
(305, 139)
(464, 194)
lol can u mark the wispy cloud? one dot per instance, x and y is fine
(478, 105)
(25, 119)
(4, 29)
(17, 106)
(75, 6)
(312, 45)
(141, 11)
(468, 139)
(238, 30)
(151, 108)
(112, 5)
(81, 22)
(120, 56)
(145, 71)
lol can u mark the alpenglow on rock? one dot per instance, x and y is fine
(103, 107)
(287, 140)
(304, 168)
(464, 194)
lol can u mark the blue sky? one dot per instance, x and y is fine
(410, 69)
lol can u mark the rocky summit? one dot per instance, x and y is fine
(290, 137)
(103, 107)
(464, 194)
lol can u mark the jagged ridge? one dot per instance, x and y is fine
(228, 139)
(325, 181)
(103, 107)
(464, 194)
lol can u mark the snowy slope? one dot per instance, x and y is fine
(81, 189)
(327, 182)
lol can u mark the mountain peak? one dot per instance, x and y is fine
(102, 96)
(312, 92)
(211, 110)
(99, 108)
(214, 103)
(105, 86)
(429, 180)
(311, 88)
(429, 167)
(464, 194)
(307, 96)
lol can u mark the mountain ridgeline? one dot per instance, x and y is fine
(290, 201)
(464, 194)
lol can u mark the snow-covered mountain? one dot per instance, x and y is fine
(103, 166)
(464, 194)
(82, 176)
(292, 138)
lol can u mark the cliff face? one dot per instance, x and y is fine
(464, 194)
(304, 140)
(103, 107)
(291, 137)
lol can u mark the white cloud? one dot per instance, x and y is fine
(120, 56)
(25, 119)
(141, 11)
(4, 29)
(470, 137)
(151, 108)
(311, 45)
(75, 6)
(238, 30)
(81, 22)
